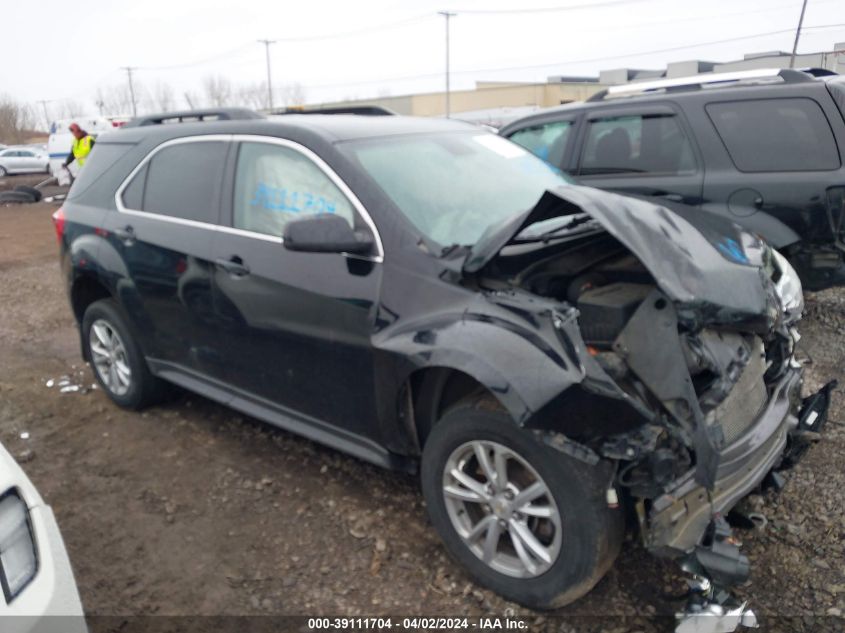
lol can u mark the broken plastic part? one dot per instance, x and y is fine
(714, 618)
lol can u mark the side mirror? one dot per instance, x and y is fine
(326, 233)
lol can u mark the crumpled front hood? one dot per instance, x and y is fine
(707, 265)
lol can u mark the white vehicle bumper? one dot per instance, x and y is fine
(50, 602)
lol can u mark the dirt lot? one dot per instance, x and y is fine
(190, 508)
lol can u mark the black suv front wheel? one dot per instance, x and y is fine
(526, 520)
(116, 358)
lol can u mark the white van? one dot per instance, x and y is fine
(61, 140)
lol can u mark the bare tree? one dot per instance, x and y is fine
(293, 94)
(162, 97)
(115, 99)
(16, 120)
(70, 108)
(218, 91)
(191, 99)
(252, 96)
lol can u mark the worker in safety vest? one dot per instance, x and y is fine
(82, 144)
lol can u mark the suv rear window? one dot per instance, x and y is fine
(775, 134)
(180, 181)
(102, 158)
(653, 144)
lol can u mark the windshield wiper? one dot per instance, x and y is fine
(545, 235)
(448, 250)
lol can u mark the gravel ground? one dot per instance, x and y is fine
(191, 509)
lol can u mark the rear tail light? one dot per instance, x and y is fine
(59, 223)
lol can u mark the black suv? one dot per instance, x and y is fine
(763, 148)
(426, 295)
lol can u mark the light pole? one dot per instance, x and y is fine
(447, 15)
(129, 70)
(797, 35)
(269, 80)
(43, 103)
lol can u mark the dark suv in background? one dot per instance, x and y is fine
(763, 148)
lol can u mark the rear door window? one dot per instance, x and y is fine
(183, 181)
(547, 141)
(276, 184)
(637, 144)
(776, 134)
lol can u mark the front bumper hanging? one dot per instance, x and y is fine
(717, 564)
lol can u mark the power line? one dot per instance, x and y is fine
(652, 52)
(369, 29)
(307, 38)
(199, 62)
(572, 61)
(557, 9)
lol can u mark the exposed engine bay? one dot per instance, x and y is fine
(716, 400)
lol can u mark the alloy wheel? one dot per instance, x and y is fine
(502, 509)
(108, 354)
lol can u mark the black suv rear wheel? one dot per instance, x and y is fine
(116, 358)
(527, 521)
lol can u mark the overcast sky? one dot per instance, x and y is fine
(66, 50)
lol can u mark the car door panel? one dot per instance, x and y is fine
(296, 326)
(167, 282)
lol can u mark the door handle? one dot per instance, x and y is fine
(125, 235)
(234, 266)
(672, 197)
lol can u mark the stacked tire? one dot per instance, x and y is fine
(21, 194)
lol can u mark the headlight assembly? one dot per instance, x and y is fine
(18, 560)
(788, 287)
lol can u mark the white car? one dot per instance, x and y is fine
(23, 160)
(36, 579)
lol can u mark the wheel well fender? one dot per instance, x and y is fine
(434, 390)
(85, 290)
(517, 367)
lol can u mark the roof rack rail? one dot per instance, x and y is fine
(696, 82)
(193, 116)
(363, 110)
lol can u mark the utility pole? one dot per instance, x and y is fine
(269, 80)
(46, 114)
(447, 15)
(129, 70)
(797, 35)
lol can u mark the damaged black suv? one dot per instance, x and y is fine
(561, 364)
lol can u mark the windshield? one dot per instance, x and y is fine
(452, 186)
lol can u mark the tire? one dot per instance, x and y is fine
(590, 534)
(20, 197)
(35, 193)
(3, 172)
(102, 320)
